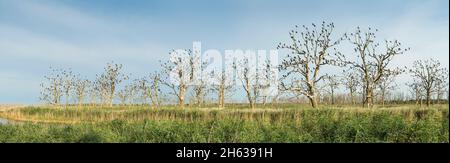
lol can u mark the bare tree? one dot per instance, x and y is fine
(200, 85)
(351, 82)
(427, 73)
(332, 83)
(442, 85)
(143, 87)
(199, 91)
(223, 88)
(371, 61)
(52, 90)
(100, 91)
(123, 96)
(81, 89)
(131, 93)
(178, 74)
(416, 91)
(108, 81)
(93, 93)
(268, 81)
(255, 80)
(249, 81)
(155, 91)
(68, 84)
(386, 84)
(308, 54)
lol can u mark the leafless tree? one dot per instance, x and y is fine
(200, 87)
(256, 80)
(442, 85)
(81, 89)
(100, 91)
(131, 93)
(371, 61)
(68, 84)
(179, 74)
(386, 84)
(108, 81)
(123, 96)
(199, 91)
(249, 80)
(332, 84)
(52, 89)
(351, 82)
(223, 88)
(308, 54)
(155, 91)
(268, 81)
(144, 89)
(416, 91)
(93, 93)
(427, 73)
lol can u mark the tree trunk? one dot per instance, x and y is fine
(332, 97)
(111, 96)
(250, 101)
(221, 98)
(67, 100)
(181, 101)
(181, 95)
(313, 101)
(428, 100)
(438, 96)
(200, 101)
(369, 97)
(264, 100)
(352, 98)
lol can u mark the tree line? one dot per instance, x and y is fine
(368, 76)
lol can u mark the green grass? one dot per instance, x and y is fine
(285, 124)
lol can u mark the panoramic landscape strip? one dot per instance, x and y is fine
(231, 72)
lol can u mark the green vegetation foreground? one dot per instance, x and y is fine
(290, 124)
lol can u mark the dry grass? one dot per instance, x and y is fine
(74, 114)
(290, 123)
(7, 107)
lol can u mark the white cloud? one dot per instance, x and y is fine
(61, 15)
(19, 43)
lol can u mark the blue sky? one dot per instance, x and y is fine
(84, 35)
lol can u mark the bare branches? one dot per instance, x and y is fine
(332, 83)
(107, 82)
(385, 85)
(249, 80)
(373, 64)
(416, 91)
(179, 72)
(428, 74)
(52, 89)
(311, 49)
(81, 89)
(223, 87)
(155, 91)
(308, 54)
(351, 81)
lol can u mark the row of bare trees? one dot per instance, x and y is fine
(103, 90)
(368, 75)
(312, 48)
(429, 78)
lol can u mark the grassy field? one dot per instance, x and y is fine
(285, 123)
